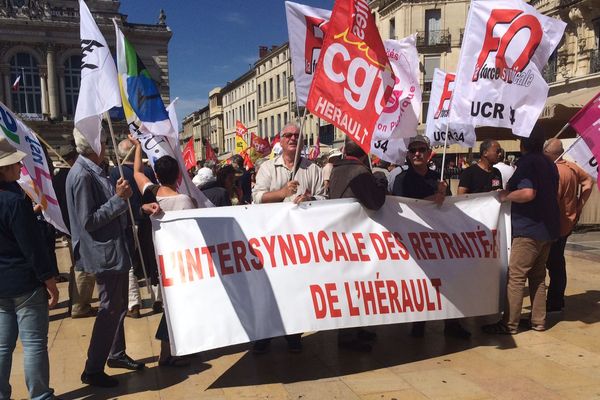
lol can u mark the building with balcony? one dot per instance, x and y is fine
(215, 111)
(196, 125)
(239, 104)
(40, 42)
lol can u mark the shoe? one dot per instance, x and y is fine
(538, 328)
(553, 310)
(418, 329)
(364, 334)
(295, 346)
(174, 361)
(134, 312)
(100, 380)
(499, 328)
(125, 362)
(92, 312)
(355, 345)
(157, 307)
(455, 330)
(261, 346)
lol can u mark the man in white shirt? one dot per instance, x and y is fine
(506, 170)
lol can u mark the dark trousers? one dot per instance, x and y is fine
(296, 337)
(108, 336)
(557, 271)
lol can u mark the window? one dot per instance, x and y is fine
(424, 110)
(260, 128)
(28, 97)
(430, 63)
(72, 82)
(285, 83)
(259, 95)
(285, 119)
(392, 31)
(433, 27)
(270, 89)
(273, 124)
(278, 122)
(264, 92)
(278, 87)
(253, 111)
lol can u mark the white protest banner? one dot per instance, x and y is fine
(306, 26)
(400, 116)
(252, 272)
(99, 88)
(36, 179)
(437, 114)
(581, 154)
(506, 44)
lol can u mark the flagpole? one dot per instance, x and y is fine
(41, 139)
(135, 236)
(298, 146)
(24, 90)
(564, 128)
(569, 148)
(445, 144)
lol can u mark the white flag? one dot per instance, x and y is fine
(437, 114)
(306, 31)
(581, 154)
(506, 45)
(156, 146)
(400, 116)
(99, 89)
(35, 179)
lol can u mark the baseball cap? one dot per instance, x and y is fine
(419, 139)
(8, 154)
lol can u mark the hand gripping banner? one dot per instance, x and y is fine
(237, 274)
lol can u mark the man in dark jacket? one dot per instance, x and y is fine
(351, 178)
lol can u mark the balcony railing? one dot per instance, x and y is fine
(439, 38)
(595, 61)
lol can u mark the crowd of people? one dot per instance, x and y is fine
(547, 194)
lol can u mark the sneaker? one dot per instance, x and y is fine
(134, 312)
(538, 328)
(89, 313)
(99, 379)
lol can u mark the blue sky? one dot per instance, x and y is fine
(213, 41)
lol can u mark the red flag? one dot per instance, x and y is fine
(354, 79)
(240, 129)
(210, 153)
(259, 144)
(15, 85)
(189, 156)
(248, 164)
(316, 150)
(275, 140)
(587, 124)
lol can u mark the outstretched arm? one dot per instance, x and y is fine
(138, 168)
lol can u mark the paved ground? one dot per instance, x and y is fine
(561, 363)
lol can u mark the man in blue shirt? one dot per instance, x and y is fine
(535, 225)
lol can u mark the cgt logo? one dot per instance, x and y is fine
(517, 22)
(315, 31)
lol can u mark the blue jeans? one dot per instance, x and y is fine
(27, 316)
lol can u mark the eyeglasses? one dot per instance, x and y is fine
(418, 149)
(288, 135)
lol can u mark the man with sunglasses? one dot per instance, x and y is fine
(420, 182)
(280, 180)
(483, 176)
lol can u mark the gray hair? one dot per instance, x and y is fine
(210, 164)
(124, 150)
(81, 144)
(290, 123)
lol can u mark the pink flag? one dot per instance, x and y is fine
(587, 123)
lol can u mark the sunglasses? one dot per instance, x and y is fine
(288, 135)
(418, 149)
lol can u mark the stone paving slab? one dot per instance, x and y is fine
(561, 363)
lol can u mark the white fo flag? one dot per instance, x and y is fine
(400, 116)
(99, 89)
(506, 45)
(306, 29)
(437, 114)
(581, 154)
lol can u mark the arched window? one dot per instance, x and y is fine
(27, 96)
(72, 82)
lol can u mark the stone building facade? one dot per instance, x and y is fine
(239, 104)
(39, 41)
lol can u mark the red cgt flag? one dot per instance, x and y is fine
(354, 79)
(275, 140)
(189, 156)
(240, 129)
(259, 144)
(210, 153)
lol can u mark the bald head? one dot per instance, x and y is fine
(553, 148)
